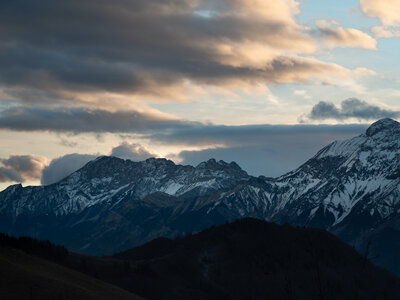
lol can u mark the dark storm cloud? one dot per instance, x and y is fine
(80, 120)
(145, 47)
(20, 168)
(350, 108)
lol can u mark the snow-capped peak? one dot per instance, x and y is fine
(387, 125)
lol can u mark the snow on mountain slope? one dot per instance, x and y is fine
(349, 187)
(322, 192)
(106, 179)
(364, 169)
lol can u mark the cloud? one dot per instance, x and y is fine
(63, 166)
(20, 168)
(350, 108)
(132, 151)
(338, 36)
(269, 150)
(77, 120)
(269, 160)
(215, 136)
(302, 93)
(387, 11)
(384, 32)
(7, 174)
(69, 50)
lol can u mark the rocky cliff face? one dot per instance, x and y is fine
(350, 187)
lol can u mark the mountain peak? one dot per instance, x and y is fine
(382, 125)
(14, 187)
(219, 165)
(163, 161)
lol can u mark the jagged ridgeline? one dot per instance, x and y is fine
(350, 187)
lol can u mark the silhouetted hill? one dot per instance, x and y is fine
(253, 259)
(246, 259)
(28, 277)
(43, 249)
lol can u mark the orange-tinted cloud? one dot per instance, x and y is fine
(132, 151)
(387, 11)
(153, 49)
(337, 36)
(385, 32)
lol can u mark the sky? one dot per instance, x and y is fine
(263, 83)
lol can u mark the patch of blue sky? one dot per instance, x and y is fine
(346, 12)
(383, 61)
(205, 13)
(5, 104)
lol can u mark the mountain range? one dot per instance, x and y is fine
(350, 188)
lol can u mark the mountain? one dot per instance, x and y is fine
(246, 259)
(26, 276)
(350, 188)
(113, 204)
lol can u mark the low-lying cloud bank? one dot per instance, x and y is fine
(162, 128)
(268, 150)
